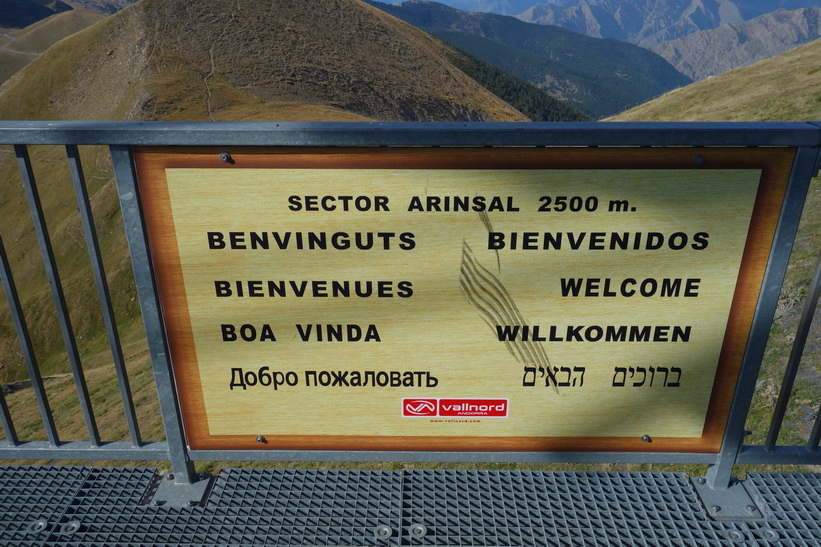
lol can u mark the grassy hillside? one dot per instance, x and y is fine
(784, 88)
(38, 37)
(342, 54)
(10, 63)
(43, 34)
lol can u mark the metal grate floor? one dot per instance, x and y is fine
(113, 506)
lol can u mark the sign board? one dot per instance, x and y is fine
(459, 299)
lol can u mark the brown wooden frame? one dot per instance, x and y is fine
(151, 164)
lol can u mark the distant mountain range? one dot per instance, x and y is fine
(600, 76)
(711, 52)
(700, 38)
(643, 22)
(648, 22)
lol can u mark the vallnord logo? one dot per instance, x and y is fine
(479, 408)
(419, 407)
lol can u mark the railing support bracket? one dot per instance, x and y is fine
(731, 503)
(171, 493)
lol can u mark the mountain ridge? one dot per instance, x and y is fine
(735, 46)
(636, 21)
(194, 61)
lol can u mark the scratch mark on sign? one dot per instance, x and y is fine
(486, 292)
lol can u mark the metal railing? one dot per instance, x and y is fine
(120, 137)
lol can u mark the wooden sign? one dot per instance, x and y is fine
(459, 299)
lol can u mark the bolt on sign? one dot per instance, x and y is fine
(510, 299)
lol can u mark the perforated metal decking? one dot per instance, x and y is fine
(103, 506)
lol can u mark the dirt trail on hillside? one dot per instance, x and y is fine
(7, 49)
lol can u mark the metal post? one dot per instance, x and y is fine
(149, 303)
(719, 475)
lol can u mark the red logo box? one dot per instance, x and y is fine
(479, 408)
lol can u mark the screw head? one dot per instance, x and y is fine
(169, 477)
(646, 438)
(192, 503)
(418, 530)
(715, 508)
(698, 160)
(71, 527)
(261, 439)
(752, 508)
(225, 157)
(383, 531)
(701, 480)
(38, 526)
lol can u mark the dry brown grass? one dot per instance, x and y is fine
(784, 88)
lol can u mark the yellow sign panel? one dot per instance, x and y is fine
(466, 299)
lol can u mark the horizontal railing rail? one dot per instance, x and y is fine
(794, 134)
(120, 137)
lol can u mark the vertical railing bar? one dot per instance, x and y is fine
(5, 415)
(50, 264)
(803, 166)
(794, 361)
(28, 349)
(5, 419)
(812, 304)
(815, 435)
(126, 178)
(102, 289)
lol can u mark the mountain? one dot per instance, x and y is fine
(783, 88)
(162, 59)
(710, 52)
(648, 22)
(750, 9)
(642, 22)
(22, 13)
(599, 76)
